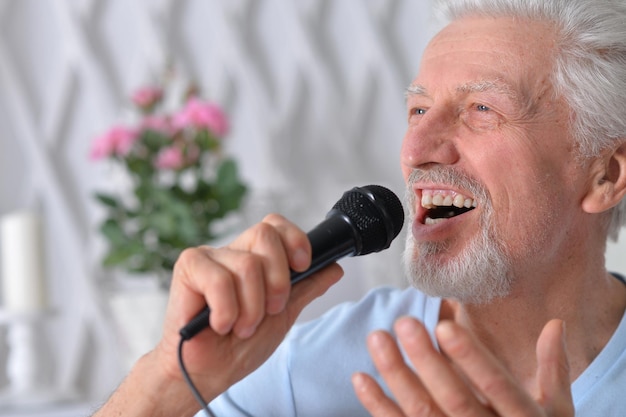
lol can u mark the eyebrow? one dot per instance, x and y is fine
(414, 90)
(489, 85)
(470, 87)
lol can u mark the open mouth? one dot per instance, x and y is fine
(441, 205)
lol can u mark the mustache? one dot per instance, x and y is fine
(451, 176)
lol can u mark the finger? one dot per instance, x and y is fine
(373, 398)
(295, 240)
(447, 389)
(401, 380)
(553, 371)
(281, 245)
(199, 281)
(250, 291)
(235, 291)
(298, 248)
(486, 374)
(273, 328)
(232, 285)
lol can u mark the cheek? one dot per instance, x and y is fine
(516, 155)
(514, 176)
(529, 186)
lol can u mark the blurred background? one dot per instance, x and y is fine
(314, 93)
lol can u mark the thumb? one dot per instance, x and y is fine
(553, 371)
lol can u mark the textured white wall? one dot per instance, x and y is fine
(314, 89)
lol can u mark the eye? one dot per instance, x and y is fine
(416, 114)
(481, 117)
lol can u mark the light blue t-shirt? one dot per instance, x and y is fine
(309, 374)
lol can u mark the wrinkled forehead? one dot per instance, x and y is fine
(507, 36)
(503, 54)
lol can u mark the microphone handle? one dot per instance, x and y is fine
(331, 240)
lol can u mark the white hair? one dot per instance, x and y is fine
(590, 65)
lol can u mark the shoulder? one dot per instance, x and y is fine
(598, 390)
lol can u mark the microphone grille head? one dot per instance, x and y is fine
(376, 213)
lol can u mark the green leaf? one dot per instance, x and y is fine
(163, 223)
(155, 140)
(107, 200)
(206, 141)
(141, 168)
(230, 189)
(115, 257)
(113, 232)
(227, 176)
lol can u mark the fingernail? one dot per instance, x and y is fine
(407, 328)
(221, 328)
(300, 259)
(275, 304)
(358, 381)
(445, 331)
(246, 332)
(379, 346)
(377, 340)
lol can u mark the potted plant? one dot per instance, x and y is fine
(179, 187)
(180, 182)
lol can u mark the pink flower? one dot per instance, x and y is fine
(199, 114)
(158, 124)
(101, 147)
(118, 140)
(147, 97)
(170, 158)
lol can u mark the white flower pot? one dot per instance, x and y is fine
(138, 318)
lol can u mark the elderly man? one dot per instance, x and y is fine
(515, 116)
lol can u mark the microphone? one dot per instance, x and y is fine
(364, 220)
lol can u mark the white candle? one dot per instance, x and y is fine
(23, 283)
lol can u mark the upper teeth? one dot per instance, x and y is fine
(436, 198)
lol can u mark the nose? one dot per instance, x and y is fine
(430, 140)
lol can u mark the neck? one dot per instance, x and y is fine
(590, 305)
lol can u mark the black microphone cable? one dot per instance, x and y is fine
(187, 377)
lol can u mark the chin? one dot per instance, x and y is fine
(478, 274)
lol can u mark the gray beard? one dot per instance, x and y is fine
(479, 274)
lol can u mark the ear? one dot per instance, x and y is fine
(608, 181)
